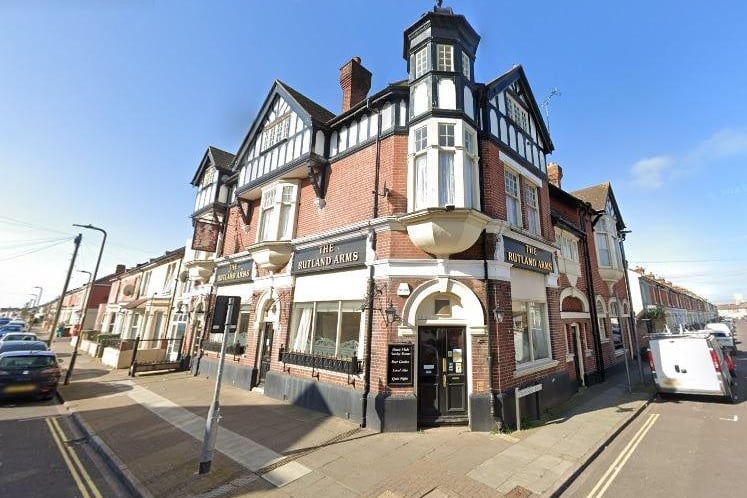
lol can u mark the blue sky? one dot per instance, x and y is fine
(107, 108)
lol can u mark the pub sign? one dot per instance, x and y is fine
(330, 256)
(526, 256)
(234, 273)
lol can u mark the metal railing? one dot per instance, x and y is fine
(351, 366)
(235, 349)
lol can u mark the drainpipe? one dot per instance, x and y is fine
(486, 281)
(592, 294)
(371, 283)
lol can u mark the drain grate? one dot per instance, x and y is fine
(296, 456)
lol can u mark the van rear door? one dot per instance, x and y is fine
(685, 365)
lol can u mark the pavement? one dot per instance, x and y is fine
(150, 429)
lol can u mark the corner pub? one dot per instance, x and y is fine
(398, 257)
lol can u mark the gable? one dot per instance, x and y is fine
(514, 119)
(281, 137)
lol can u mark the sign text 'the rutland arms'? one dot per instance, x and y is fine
(526, 259)
(322, 261)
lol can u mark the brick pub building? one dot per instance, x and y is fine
(396, 261)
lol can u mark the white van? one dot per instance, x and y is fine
(691, 363)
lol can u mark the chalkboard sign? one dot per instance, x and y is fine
(399, 365)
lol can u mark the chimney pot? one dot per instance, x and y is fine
(355, 81)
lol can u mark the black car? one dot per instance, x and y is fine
(29, 373)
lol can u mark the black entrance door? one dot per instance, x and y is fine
(265, 352)
(442, 375)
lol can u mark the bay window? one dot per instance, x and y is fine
(442, 174)
(531, 334)
(277, 212)
(327, 328)
(606, 241)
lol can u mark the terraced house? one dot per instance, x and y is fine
(395, 260)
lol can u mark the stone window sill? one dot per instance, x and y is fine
(537, 366)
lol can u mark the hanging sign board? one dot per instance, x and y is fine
(205, 237)
(399, 365)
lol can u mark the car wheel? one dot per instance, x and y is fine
(49, 396)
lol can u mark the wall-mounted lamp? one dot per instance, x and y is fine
(497, 315)
(390, 314)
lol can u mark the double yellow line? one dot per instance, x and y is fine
(84, 482)
(622, 458)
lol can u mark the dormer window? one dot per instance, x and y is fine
(275, 132)
(421, 63)
(278, 212)
(445, 58)
(517, 113)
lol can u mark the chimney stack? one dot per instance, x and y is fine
(355, 81)
(554, 173)
(120, 269)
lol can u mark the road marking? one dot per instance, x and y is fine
(733, 419)
(74, 465)
(622, 458)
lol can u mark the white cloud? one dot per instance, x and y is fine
(722, 144)
(649, 172)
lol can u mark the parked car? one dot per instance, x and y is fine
(6, 346)
(726, 341)
(692, 363)
(4, 320)
(6, 329)
(29, 373)
(19, 336)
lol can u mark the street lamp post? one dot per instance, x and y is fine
(88, 297)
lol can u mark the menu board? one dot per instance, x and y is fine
(399, 365)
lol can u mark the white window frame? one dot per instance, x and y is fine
(427, 162)
(206, 194)
(568, 246)
(601, 320)
(605, 234)
(517, 113)
(614, 315)
(421, 63)
(275, 132)
(348, 305)
(512, 189)
(145, 283)
(545, 329)
(531, 199)
(168, 279)
(268, 229)
(421, 139)
(445, 57)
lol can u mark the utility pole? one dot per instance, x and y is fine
(69, 371)
(77, 240)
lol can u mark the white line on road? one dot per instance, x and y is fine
(622, 458)
(735, 418)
